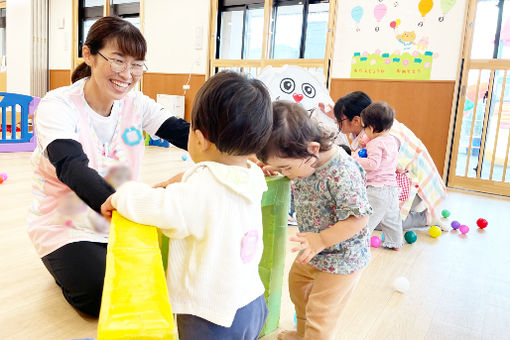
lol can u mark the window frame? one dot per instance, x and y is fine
(304, 27)
(231, 8)
(243, 65)
(107, 10)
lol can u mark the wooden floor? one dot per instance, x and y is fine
(460, 285)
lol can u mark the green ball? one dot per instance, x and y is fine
(445, 213)
(410, 237)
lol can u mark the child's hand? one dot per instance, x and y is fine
(268, 171)
(177, 178)
(107, 208)
(310, 243)
(363, 141)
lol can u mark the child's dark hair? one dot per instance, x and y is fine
(293, 129)
(233, 112)
(351, 105)
(379, 116)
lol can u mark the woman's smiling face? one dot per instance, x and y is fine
(113, 84)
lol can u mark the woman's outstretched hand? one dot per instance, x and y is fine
(328, 110)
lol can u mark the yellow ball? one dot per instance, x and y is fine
(435, 231)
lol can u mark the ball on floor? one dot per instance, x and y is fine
(482, 223)
(464, 229)
(401, 284)
(435, 231)
(375, 241)
(455, 225)
(410, 237)
(445, 213)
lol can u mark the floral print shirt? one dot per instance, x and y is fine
(335, 191)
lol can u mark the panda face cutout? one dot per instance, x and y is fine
(308, 90)
(295, 84)
(287, 85)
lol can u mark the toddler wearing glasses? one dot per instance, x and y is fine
(332, 213)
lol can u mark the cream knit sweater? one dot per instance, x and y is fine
(214, 221)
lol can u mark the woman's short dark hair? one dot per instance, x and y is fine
(351, 105)
(379, 116)
(128, 38)
(293, 130)
(233, 112)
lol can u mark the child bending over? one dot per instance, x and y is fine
(331, 208)
(380, 164)
(213, 216)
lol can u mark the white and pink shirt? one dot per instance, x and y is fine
(114, 146)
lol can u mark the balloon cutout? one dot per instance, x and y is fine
(395, 23)
(379, 13)
(357, 14)
(424, 6)
(446, 6)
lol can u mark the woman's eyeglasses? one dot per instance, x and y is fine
(118, 66)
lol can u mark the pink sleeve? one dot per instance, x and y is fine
(374, 156)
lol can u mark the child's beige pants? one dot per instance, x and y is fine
(319, 298)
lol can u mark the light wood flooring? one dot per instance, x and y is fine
(459, 285)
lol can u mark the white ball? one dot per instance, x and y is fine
(401, 284)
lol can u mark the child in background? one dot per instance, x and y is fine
(420, 182)
(213, 216)
(332, 209)
(380, 165)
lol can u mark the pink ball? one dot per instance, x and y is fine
(3, 175)
(464, 229)
(375, 241)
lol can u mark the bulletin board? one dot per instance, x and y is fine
(399, 39)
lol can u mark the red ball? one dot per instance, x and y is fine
(1, 180)
(482, 223)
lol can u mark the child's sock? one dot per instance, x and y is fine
(292, 219)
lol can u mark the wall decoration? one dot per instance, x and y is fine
(415, 39)
(424, 6)
(357, 14)
(379, 13)
(446, 6)
(394, 65)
